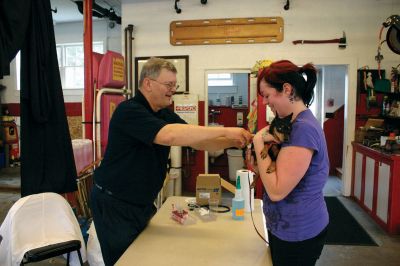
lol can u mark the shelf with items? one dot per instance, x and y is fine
(395, 95)
(363, 111)
(374, 114)
(242, 107)
(376, 110)
(390, 117)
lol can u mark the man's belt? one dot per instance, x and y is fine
(103, 189)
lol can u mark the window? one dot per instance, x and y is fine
(70, 61)
(221, 79)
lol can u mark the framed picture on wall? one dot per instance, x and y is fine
(181, 63)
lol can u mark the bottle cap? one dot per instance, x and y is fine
(238, 183)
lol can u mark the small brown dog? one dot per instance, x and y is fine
(280, 129)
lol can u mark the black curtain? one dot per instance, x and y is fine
(13, 23)
(47, 162)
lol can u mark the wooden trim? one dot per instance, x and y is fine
(226, 31)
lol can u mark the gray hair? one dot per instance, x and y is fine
(152, 68)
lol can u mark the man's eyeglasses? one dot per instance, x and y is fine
(170, 86)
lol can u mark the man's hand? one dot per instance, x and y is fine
(239, 136)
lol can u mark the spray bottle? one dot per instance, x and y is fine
(238, 202)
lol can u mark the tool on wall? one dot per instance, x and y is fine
(341, 41)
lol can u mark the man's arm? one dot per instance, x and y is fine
(202, 138)
(216, 144)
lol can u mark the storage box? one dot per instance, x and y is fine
(208, 186)
(374, 123)
(371, 130)
(83, 153)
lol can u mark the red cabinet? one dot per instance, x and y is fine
(376, 185)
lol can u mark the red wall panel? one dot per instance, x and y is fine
(333, 129)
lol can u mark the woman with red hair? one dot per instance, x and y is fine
(294, 205)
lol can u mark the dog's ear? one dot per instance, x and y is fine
(289, 117)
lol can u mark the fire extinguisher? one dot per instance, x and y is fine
(11, 138)
(14, 155)
(10, 132)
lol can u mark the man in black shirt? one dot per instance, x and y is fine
(134, 167)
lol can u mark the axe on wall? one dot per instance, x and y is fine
(341, 41)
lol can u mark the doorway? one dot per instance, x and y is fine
(328, 107)
(227, 98)
(330, 91)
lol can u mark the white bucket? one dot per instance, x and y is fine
(235, 162)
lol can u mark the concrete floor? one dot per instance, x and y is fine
(387, 253)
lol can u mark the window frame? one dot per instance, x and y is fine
(60, 48)
(220, 80)
(63, 67)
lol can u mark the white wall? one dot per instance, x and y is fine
(10, 95)
(306, 19)
(73, 33)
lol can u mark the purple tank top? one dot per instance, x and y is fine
(303, 213)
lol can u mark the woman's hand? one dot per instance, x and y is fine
(263, 140)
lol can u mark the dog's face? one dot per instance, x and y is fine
(278, 135)
(281, 127)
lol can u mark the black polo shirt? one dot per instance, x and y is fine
(134, 167)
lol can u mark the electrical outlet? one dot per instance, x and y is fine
(239, 119)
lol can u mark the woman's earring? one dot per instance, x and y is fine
(291, 98)
(291, 95)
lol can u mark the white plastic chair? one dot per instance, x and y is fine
(38, 227)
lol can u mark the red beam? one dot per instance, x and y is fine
(88, 65)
